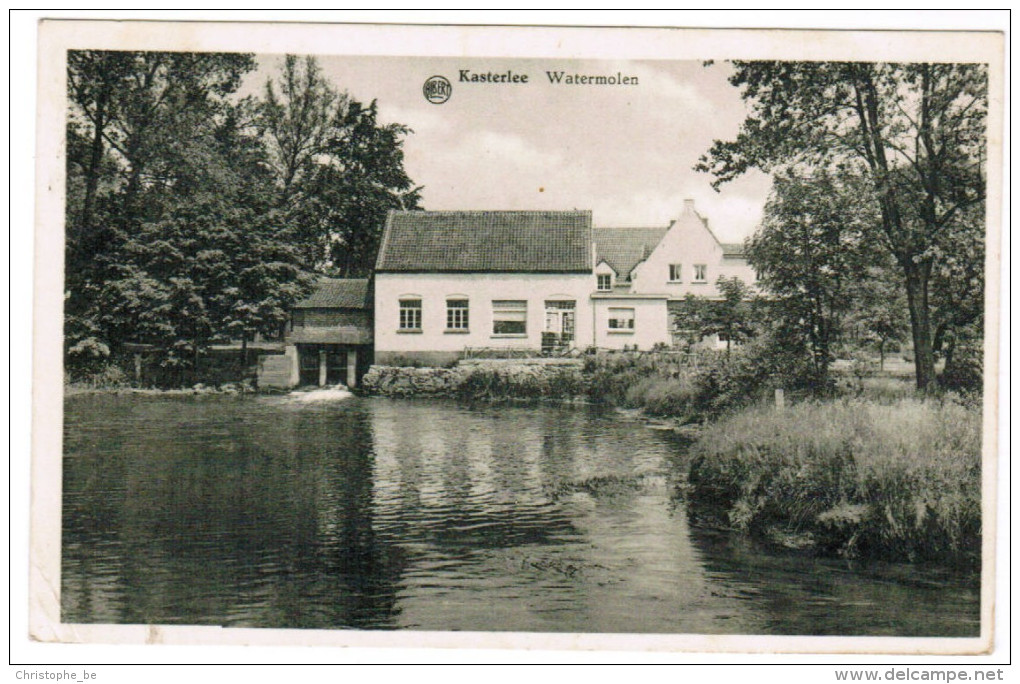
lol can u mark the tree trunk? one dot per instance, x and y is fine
(92, 174)
(948, 356)
(920, 324)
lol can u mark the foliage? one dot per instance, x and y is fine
(810, 253)
(880, 312)
(731, 318)
(916, 132)
(524, 381)
(194, 217)
(337, 169)
(700, 386)
(899, 481)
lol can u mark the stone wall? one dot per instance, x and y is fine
(278, 371)
(404, 381)
(481, 380)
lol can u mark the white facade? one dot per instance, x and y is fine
(546, 299)
(650, 318)
(688, 261)
(436, 316)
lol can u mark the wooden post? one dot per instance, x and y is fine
(780, 399)
(138, 368)
(352, 368)
(322, 367)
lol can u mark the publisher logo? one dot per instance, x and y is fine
(437, 89)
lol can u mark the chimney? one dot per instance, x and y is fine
(688, 206)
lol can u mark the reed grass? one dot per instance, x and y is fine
(898, 481)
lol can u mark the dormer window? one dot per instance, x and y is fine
(605, 282)
(700, 273)
(675, 272)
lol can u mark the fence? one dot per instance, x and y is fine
(506, 353)
(691, 358)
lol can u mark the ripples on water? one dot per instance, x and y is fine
(374, 513)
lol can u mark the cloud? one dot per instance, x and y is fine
(732, 216)
(664, 87)
(505, 149)
(488, 169)
(420, 120)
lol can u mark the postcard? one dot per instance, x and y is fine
(516, 337)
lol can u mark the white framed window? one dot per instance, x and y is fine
(410, 314)
(675, 273)
(456, 314)
(509, 317)
(605, 282)
(700, 273)
(621, 320)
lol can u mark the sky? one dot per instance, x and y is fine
(624, 152)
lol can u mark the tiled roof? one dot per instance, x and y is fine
(337, 293)
(486, 241)
(625, 248)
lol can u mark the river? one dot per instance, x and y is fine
(371, 513)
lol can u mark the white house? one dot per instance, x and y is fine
(449, 280)
(647, 273)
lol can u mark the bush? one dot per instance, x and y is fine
(663, 396)
(964, 372)
(698, 387)
(478, 382)
(899, 481)
(524, 381)
(108, 376)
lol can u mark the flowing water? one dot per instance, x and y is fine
(384, 514)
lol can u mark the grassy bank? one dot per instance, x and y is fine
(898, 481)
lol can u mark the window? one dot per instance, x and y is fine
(621, 320)
(605, 282)
(674, 273)
(700, 273)
(410, 314)
(456, 314)
(509, 317)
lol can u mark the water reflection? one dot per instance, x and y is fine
(389, 514)
(800, 595)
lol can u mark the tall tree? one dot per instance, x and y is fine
(130, 122)
(916, 130)
(338, 170)
(192, 250)
(811, 252)
(362, 180)
(298, 111)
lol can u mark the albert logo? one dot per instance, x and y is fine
(437, 89)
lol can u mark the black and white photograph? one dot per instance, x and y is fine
(686, 339)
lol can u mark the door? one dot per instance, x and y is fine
(559, 320)
(308, 360)
(336, 367)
